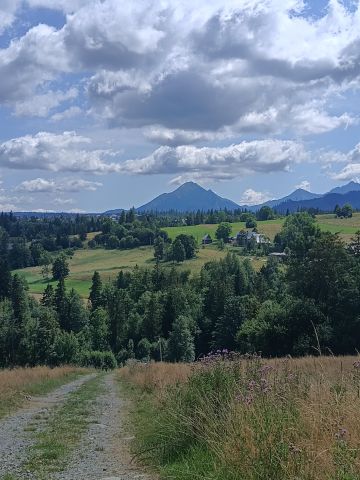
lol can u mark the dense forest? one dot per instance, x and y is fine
(307, 304)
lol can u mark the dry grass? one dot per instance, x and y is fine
(18, 383)
(157, 377)
(294, 419)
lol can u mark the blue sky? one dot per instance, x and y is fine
(105, 104)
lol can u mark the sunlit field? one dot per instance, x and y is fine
(248, 418)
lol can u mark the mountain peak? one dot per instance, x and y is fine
(348, 187)
(189, 197)
(189, 186)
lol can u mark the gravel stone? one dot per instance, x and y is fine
(17, 430)
(103, 452)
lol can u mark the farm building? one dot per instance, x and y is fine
(206, 239)
(242, 238)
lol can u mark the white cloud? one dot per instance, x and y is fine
(63, 201)
(40, 105)
(304, 185)
(350, 172)
(48, 151)
(191, 69)
(41, 185)
(66, 114)
(221, 163)
(7, 207)
(7, 13)
(251, 197)
(67, 6)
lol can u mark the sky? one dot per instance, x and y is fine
(107, 103)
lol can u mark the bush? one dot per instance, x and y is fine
(102, 360)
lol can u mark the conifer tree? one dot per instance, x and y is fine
(48, 297)
(181, 341)
(95, 296)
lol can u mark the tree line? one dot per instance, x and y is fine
(309, 304)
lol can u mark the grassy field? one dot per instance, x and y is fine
(345, 226)
(248, 418)
(18, 383)
(268, 228)
(110, 262)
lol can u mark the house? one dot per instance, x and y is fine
(243, 238)
(206, 239)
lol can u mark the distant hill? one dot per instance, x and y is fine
(349, 187)
(297, 195)
(326, 203)
(188, 197)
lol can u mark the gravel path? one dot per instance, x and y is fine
(103, 453)
(17, 430)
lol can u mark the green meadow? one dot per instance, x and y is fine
(110, 262)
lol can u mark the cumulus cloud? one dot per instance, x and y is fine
(221, 163)
(47, 151)
(41, 185)
(194, 68)
(40, 105)
(7, 13)
(350, 172)
(66, 114)
(251, 197)
(304, 185)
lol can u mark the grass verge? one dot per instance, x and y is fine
(18, 383)
(249, 419)
(63, 431)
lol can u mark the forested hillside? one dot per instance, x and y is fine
(309, 303)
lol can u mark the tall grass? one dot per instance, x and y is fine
(249, 419)
(19, 383)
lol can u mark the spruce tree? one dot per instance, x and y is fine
(95, 296)
(5, 279)
(48, 297)
(181, 346)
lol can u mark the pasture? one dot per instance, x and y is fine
(346, 227)
(109, 262)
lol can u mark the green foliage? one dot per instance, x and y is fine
(250, 223)
(344, 212)
(96, 291)
(265, 213)
(223, 232)
(60, 269)
(181, 346)
(103, 360)
(178, 251)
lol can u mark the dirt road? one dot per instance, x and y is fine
(101, 454)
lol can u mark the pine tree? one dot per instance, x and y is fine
(77, 314)
(99, 329)
(95, 296)
(61, 305)
(48, 297)
(5, 279)
(159, 248)
(181, 346)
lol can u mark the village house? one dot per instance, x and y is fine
(243, 238)
(206, 239)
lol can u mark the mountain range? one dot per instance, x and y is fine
(192, 197)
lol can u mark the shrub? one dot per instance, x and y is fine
(102, 360)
